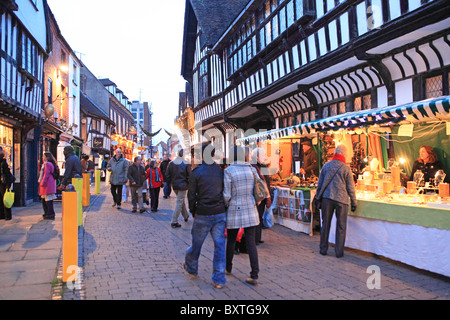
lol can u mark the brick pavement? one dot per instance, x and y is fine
(139, 256)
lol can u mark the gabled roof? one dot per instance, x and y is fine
(214, 17)
(89, 107)
(106, 82)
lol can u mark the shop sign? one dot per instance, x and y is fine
(98, 143)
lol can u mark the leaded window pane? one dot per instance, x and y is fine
(434, 87)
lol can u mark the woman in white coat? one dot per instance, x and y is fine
(241, 209)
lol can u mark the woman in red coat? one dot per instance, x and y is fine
(47, 185)
(155, 181)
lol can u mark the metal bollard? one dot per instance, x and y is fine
(97, 181)
(78, 183)
(86, 189)
(70, 233)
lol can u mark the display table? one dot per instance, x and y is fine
(417, 235)
(292, 208)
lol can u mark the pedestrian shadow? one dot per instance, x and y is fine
(160, 215)
(96, 203)
(41, 233)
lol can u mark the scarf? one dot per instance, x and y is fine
(339, 157)
(157, 177)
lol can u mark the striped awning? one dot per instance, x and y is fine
(430, 109)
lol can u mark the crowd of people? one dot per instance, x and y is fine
(220, 196)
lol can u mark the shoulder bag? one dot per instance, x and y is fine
(260, 191)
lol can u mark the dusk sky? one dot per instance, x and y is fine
(136, 43)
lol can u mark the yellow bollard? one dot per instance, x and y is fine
(78, 183)
(70, 234)
(86, 189)
(97, 181)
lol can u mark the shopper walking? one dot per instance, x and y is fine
(91, 169)
(239, 182)
(6, 181)
(207, 206)
(72, 167)
(334, 189)
(84, 163)
(47, 185)
(177, 176)
(167, 183)
(155, 181)
(118, 166)
(136, 177)
(261, 162)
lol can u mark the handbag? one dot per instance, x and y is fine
(8, 199)
(318, 198)
(260, 190)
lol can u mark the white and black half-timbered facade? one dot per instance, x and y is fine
(280, 63)
(24, 45)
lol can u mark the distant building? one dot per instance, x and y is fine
(124, 133)
(143, 118)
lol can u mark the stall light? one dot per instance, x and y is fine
(402, 160)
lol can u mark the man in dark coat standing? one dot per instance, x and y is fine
(72, 167)
(167, 186)
(310, 160)
(136, 176)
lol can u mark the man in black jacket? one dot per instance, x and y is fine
(177, 175)
(167, 186)
(72, 167)
(206, 204)
(310, 160)
(136, 176)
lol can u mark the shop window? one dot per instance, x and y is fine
(357, 104)
(342, 107)
(290, 121)
(433, 87)
(367, 102)
(333, 109)
(49, 91)
(325, 112)
(362, 103)
(306, 117)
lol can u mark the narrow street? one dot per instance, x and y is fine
(139, 256)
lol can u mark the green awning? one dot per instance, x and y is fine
(425, 110)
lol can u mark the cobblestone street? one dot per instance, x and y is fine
(139, 256)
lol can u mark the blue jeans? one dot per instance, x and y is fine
(214, 224)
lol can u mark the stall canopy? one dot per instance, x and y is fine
(426, 110)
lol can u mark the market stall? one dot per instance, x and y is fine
(291, 191)
(294, 208)
(401, 214)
